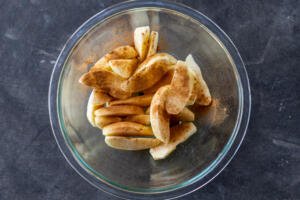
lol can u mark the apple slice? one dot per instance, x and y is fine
(122, 52)
(123, 67)
(141, 41)
(149, 72)
(185, 115)
(153, 43)
(200, 86)
(131, 143)
(106, 81)
(102, 121)
(122, 110)
(180, 90)
(141, 119)
(160, 120)
(96, 100)
(165, 80)
(179, 134)
(143, 100)
(127, 129)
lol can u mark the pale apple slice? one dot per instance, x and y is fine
(179, 134)
(153, 43)
(123, 67)
(106, 81)
(165, 80)
(200, 86)
(122, 110)
(149, 72)
(141, 119)
(91, 108)
(186, 115)
(160, 120)
(127, 129)
(96, 100)
(141, 41)
(131, 143)
(180, 90)
(102, 121)
(143, 100)
(122, 52)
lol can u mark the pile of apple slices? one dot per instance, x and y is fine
(140, 98)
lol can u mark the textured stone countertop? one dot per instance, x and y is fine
(267, 34)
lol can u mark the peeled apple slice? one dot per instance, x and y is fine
(149, 72)
(106, 81)
(131, 143)
(123, 67)
(180, 90)
(122, 110)
(141, 119)
(143, 100)
(153, 43)
(200, 86)
(160, 120)
(141, 41)
(102, 121)
(122, 52)
(127, 129)
(179, 134)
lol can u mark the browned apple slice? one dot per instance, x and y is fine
(160, 120)
(147, 112)
(180, 90)
(149, 72)
(141, 41)
(165, 80)
(200, 86)
(127, 129)
(123, 67)
(122, 52)
(143, 100)
(153, 43)
(141, 119)
(102, 121)
(131, 143)
(122, 110)
(179, 134)
(107, 81)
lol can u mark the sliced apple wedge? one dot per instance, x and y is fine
(102, 121)
(180, 90)
(106, 81)
(123, 67)
(143, 100)
(131, 143)
(185, 115)
(165, 80)
(200, 86)
(149, 72)
(147, 111)
(179, 134)
(122, 110)
(127, 129)
(141, 119)
(122, 52)
(141, 41)
(160, 120)
(153, 41)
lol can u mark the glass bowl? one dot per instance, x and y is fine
(221, 127)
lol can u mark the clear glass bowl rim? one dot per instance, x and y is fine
(214, 168)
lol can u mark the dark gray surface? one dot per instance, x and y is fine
(266, 33)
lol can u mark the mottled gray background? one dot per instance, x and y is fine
(266, 33)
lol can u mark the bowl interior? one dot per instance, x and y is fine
(179, 35)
